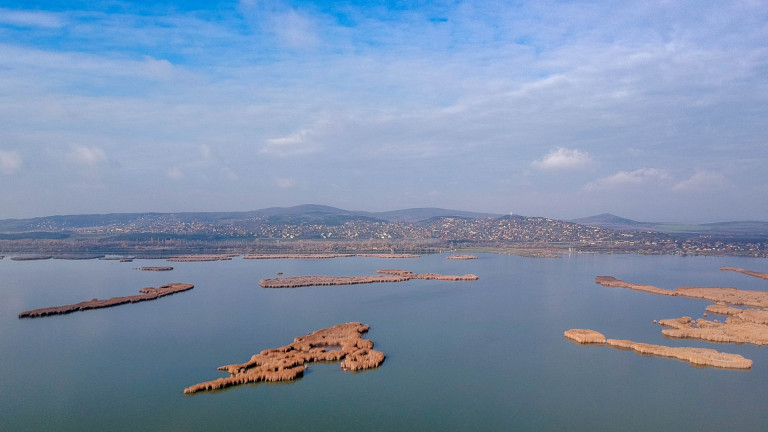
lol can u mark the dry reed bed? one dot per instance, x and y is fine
(288, 362)
(200, 258)
(149, 293)
(746, 272)
(461, 257)
(384, 276)
(725, 295)
(741, 326)
(694, 356)
(296, 256)
(585, 336)
(326, 256)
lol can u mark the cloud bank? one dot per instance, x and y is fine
(564, 159)
(10, 162)
(377, 107)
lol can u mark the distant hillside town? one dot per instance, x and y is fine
(312, 228)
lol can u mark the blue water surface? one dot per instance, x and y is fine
(484, 355)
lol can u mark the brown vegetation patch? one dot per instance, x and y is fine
(31, 257)
(388, 256)
(741, 326)
(694, 356)
(728, 295)
(385, 276)
(725, 295)
(612, 282)
(199, 258)
(289, 362)
(746, 272)
(585, 336)
(723, 309)
(149, 293)
(744, 328)
(461, 257)
(296, 256)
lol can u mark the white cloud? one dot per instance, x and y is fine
(205, 151)
(701, 181)
(493, 87)
(10, 162)
(30, 19)
(175, 174)
(630, 178)
(157, 68)
(87, 155)
(229, 174)
(299, 143)
(293, 28)
(285, 183)
(563, 158)
(296, 30)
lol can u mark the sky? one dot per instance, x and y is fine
(653, 110)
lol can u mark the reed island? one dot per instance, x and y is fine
(289, 362)
(149, 293)
(694, 356)
(390, 275)
(461, 257)
(745, 324)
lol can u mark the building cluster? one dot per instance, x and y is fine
(495, 232)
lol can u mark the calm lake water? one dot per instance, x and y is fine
(485, 355)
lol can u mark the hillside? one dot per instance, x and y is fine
(302, 214)
(742, 230)
(610, 221)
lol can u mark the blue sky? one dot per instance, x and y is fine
(650, 110)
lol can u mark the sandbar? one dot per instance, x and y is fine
(149, 293)
(384, 276)
(288, 362)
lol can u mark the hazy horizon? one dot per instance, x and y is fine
(651, 111)
(673, 222)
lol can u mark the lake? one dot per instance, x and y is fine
(484, 355)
